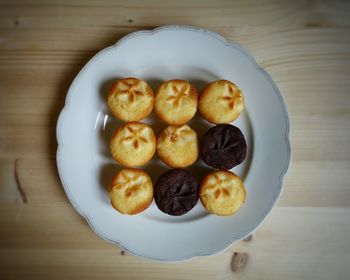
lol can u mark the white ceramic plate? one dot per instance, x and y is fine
(85, 125)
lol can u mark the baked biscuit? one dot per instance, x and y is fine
(130, 99)
(223, 146)
(133, 144)
(131, 191)
(222, 193)
(221, 102)
(176, 192)
(176, 102)
(178, 146)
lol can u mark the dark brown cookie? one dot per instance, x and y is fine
(223, 146)
(176, 192)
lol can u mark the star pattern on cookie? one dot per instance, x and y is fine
(182, 133)
(130, 88)
(230, 96)
(219, 186)
(130, 185)
(136, 136)
(178, 93)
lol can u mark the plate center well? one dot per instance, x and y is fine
(106, 124)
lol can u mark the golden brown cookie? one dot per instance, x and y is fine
(131, 191)
(176, 102)
(221, 102)
(178, 146)
(222, 193)
(133, 144)
(130, 99)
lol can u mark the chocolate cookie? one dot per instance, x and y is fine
(223, 146)
(176, 192)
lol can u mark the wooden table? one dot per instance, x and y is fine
(304, 45)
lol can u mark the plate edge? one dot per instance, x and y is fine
(226, 43)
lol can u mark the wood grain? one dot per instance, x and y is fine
(304, 45)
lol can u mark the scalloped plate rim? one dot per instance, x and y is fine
(64, 111)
